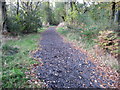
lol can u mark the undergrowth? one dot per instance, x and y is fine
(86, 38)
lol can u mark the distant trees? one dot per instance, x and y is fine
(24, 18)
(48, 13)
(60, 11)
(94, 13)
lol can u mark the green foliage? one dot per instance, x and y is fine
(99, 11)
(48, 14)
(26, 21)
(90, 20)
(59, 12)
(72, 15)
(14, 24)
(32, 22)
(15, 65)
(12, 78)
(98, 15)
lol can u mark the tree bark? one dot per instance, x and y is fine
(1, 18)
(4, 16)
(117, 18)
(17, 7)
(113, 10)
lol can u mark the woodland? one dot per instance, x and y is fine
(33, 31)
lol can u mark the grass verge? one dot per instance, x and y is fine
(16, 60)
(72, 34)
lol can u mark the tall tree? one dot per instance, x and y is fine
(4, 15)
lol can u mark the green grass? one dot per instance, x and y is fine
(62, 31)
(15, 63)
(41, 29)
(72, 34)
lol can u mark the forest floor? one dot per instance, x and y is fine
(66, 67)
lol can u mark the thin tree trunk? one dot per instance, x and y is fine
(17, 7)
(1, 18)
(113, 10)
(117, 17)
(1, 39)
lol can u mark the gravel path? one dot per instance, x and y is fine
(65, 67)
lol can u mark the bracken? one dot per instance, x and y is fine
(108, 40)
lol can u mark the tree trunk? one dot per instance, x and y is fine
(117, 19)
(4, 16)
(17, 7)
(113, 10)
(117, 13)
(72, 4)
(2, 21)
(1, 40)
(1, 18)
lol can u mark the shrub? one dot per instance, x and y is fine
(14, 24)
(23, 22)
(108, 40)
(31, 22)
